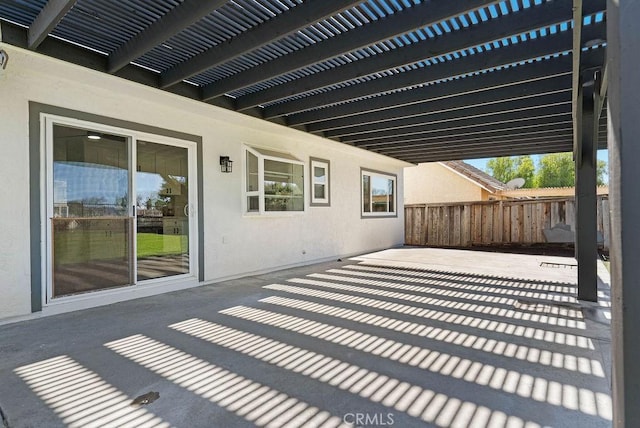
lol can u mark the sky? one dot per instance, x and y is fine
(482, 163)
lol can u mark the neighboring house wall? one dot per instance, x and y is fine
(235, 244)
(429, 183)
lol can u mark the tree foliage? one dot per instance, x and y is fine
(556, 170)
(506, 169)
(526, 169)
(553, 170)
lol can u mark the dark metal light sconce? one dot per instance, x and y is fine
(4, 59)
(226, 164)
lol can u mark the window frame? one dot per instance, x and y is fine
(260, 193)
(379, 214)
(322, 163)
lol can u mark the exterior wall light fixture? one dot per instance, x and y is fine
(226, 164)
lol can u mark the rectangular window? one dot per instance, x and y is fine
(320, 182)
(378, 194)
(274, 182)
(253, 193)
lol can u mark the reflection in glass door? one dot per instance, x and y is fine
(91, 222)
(162, 210)
(118, 208)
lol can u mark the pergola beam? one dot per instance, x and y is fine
(536, 124)
(418, 145)
(469, 126)
(493, 30)
(464, 106)
(294, 19)
(521, 106)
(174, 21)
(482, 82)
(417, 16)
(576, 53)
(535, 48)
(456, 153)
(50, 15)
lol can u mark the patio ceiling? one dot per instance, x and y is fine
(416, 80)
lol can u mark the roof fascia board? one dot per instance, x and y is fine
(492, 191)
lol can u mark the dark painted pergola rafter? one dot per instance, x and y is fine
(496, 29)
(434, 91)
(418, 143)
(180, 17)
(502, 56)
(386, 76)
(394, 25)
(289, 22)
(498, 98)
(46, 21)
(389, 139)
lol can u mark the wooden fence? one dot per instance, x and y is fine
(509, 222)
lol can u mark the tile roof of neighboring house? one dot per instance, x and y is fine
(474, 174)
(544, 192)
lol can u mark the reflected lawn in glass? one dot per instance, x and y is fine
(153, 244)
(90, 254)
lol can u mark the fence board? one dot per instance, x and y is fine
(417, 224)
(555, 214)
(408, 212)
(527, 224)
(446, 226)
(487, 223)
(515, 229)
(494, 222)
(466, 225)
(497, 223)
(431, 229)
(456, 240)
(476, 224)
(506, 223)
(570, 214)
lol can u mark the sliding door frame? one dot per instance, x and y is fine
(41, 119)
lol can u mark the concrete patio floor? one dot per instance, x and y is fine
(403, 337)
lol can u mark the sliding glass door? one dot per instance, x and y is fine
(91, 222)
(101, 237)
(162, 205)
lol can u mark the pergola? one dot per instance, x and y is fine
(417, 80)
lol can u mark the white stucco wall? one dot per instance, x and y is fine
(429, 183)
(250, 243)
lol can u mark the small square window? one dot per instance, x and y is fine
(320, 195)
(378, 194)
